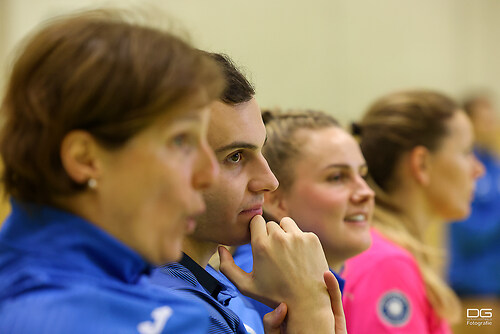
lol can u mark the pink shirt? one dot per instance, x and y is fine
(385, 293)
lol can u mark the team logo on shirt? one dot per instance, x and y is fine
(160, 317)
(394, 308)
(249, 329)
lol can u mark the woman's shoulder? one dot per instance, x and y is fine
(385, 266)
(385, 285)
(381, 251)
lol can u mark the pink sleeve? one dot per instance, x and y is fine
(389, 298)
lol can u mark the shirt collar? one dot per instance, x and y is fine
(207, 281)
(64, 239)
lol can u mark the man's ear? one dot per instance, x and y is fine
(275, 204)
(420, 164)
(79, 156)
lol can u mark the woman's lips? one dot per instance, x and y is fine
(359, 219)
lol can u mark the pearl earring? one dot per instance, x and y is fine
(92, 183)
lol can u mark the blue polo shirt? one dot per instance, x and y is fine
(61, 274)
(474, 243)
(244, 259)
(229, 310)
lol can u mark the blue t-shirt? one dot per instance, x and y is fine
(474, 243)
(244, 259)
(229, 311)
(61, 274)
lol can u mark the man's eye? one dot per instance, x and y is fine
(234, 158)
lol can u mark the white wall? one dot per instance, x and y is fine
(335, 55)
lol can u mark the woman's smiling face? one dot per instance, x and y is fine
(329, 195)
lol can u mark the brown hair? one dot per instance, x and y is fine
(282, 145)
(95, 71)
(473, 102)
(397, 123)
(394, 125)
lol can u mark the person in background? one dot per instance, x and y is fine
(322, 174)
(289, 265)
(418, 147)
(474, 247)
(105, 154)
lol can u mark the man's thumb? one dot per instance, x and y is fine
(240, 278)
(275, 319)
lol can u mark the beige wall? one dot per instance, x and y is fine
(3, 42)
(336, 55)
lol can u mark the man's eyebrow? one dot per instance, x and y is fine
(236, 145)
(344, 166)
(337, 166)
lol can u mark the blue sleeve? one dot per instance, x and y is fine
(83, 311)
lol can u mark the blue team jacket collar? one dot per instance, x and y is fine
(79, 244)
(190, 271)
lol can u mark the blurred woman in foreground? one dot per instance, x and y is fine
(105, 155)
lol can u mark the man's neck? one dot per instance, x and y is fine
(199, 250)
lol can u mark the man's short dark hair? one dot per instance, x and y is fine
(238, 88)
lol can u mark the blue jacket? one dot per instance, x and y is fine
(62, 274)
(229, 310)
(240, 304)
(244, 259)
(474, 243)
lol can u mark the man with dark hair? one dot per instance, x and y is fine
(289, 265)
(238, 89)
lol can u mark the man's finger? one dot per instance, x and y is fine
(289, 226)
(258, 230)
(336, 300)
(272, 227)
(274, 319)
(235, 274)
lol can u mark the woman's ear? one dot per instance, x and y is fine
(79, 156)
(420, 164)
(275, 204)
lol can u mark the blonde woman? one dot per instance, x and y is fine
(322, 181)
(418, 147)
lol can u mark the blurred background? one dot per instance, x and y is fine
(332, 55)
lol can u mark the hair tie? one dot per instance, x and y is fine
(356, 129)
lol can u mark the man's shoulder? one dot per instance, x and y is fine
(222, 318)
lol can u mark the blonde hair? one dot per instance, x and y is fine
(282, 145)
(393, 125)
